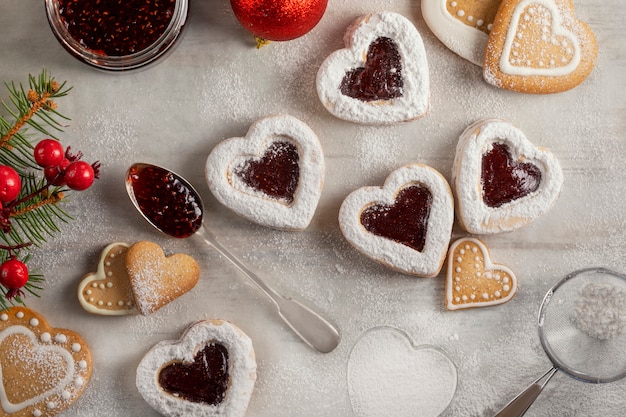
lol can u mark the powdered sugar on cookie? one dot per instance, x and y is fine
(406, 224)
(501, 180)
(381, 77)
(273, 176)
(235, 347)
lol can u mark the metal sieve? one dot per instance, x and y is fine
(582, 328)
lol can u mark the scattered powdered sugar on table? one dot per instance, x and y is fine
(600, 311)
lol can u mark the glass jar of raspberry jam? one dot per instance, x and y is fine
(117, 35)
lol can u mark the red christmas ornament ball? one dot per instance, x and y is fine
(279, 20)
(10, 184)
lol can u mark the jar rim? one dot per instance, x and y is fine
(135, 60)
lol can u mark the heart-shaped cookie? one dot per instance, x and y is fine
(406, 224)
(107, 291)
(43, 370)
(389, 376)
(209, 372)
(538, 46)
(273, 176)
(473, 280)
(501, 180)
(156, 279)
(381, 77)
(462, 25)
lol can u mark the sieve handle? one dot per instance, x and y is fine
(518, 405)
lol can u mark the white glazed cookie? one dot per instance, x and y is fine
(473, 280)
(43, 370)
(381, 77)
(462, 25)
(501, 180)
(273, 176)
(538, 46)
(107, 291)
(209, 372)
(406, 224)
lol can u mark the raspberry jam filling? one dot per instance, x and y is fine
(205, 380)
(406, 221)
(505, 180)
(380, 78)
(275, 174)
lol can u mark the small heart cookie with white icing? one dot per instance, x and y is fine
(538, 47)
(107, 291)
(381, 76)
(462, 25)
(501, 180)
(273, 176)
(44, 369)
(473, 280)
(156, 279)
(209, 372)
(406, 224)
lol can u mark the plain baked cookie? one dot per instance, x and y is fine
(462, 25)
(273, 176)
(156, 279)
(473, 280)
(44, 369)
(406, 224)
(209, 372)
(381, 76)
(501, 180)
(538, 46)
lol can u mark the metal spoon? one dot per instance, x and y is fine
(170, 204)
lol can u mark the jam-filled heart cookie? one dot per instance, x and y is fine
(156, 279)
(43, 370)
(538, 46)
(381, 77)
(209, 372)
(501, 180)
(462, 25)
(273, 176)
(473, 280)
(107, 291)
(406, 224)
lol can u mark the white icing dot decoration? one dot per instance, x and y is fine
(4, 317)
(79, 381)
(110, 274)
(120, 303)
(82, 364)
(76, 347)
(20, 315)
(485, 296)
(107, 263)
(480, 22)
(60, 338)
(109, 285)
(66, 395)
(460, 13)
(95, 284)
(51, 405)
(88, 292)
(45, 337)
(34, 322)
(37, 413)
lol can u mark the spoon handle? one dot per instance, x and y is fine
(310, 326)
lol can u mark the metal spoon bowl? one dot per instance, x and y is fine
(171, 204)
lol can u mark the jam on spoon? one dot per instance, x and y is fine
(173, 206)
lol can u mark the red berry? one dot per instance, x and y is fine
(79, 175)
(13, 274)
(56, 175)
(10, 184)
(49, 153)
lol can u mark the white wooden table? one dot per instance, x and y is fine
(213, 86)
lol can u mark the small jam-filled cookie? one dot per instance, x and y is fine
(406, 224)
(209, 372)
(156, 279)
(473, 280)
(44, 370)
(538, 46)
(107, 291)
(462, 25)
(381, 77)
(501, 180)
(273, 176)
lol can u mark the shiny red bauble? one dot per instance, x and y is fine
(79, 175)
(279, 20)
(10, 184)
(13, 274)
(49, 153)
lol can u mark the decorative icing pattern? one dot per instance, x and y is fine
(474, 13)
(537, 43)
(40, 369)
(473, 280)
